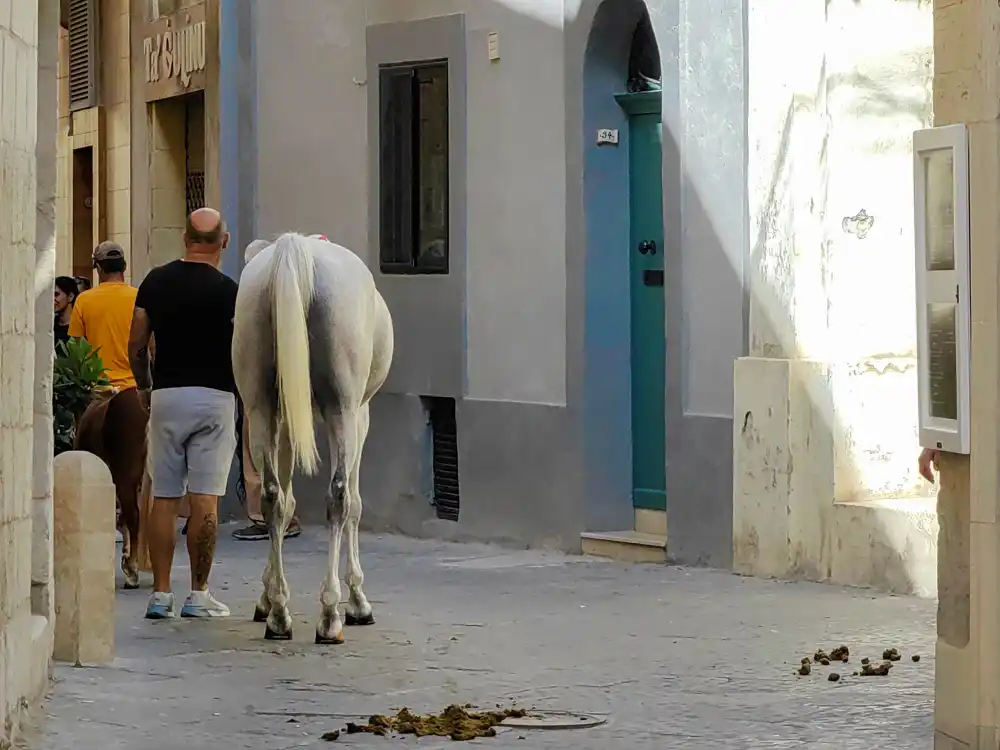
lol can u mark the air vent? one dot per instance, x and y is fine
(444, 433)
(83, 54)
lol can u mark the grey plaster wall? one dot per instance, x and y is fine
(509, 335)
(428, 311)
(238, 148)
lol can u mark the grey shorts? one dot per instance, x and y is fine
(192, 441)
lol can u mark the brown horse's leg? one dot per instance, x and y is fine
(124, 437)
(145, 506)
(129, 495)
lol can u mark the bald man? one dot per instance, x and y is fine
(188, 305)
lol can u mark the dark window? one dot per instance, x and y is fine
(644, 58)
(413, 168)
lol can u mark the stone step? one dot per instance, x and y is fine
(651, 522)
(626, 546)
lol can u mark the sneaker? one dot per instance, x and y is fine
(251, 533)
(203, 604)
(160, 607)
(257, 532)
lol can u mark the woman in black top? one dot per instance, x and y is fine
(65, 296)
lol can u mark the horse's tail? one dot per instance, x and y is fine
(292, 285)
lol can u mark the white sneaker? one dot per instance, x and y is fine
(160, 607)
(203, 604)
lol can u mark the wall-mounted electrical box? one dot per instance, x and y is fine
(941, 239)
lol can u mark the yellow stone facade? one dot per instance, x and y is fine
(967, 90)
(124, 165)
(94, 158)
(27, 195)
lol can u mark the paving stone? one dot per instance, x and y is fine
(675, 658)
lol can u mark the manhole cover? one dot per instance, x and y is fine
(554, 720)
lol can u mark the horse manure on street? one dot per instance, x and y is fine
(841, 654)
(870, 670)
(460, 723)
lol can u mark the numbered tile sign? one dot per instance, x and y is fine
(941, 239)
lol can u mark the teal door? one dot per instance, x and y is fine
(648, 334)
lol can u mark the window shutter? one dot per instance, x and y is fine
(941, 234)
(83, 54)
(396, 181)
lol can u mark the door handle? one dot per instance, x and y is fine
(647, 247)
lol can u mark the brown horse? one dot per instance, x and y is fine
(114, 429)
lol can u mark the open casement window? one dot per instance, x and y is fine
(941, 217)
(83, 32)
(413, 168)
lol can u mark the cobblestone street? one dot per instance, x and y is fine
(674, 658)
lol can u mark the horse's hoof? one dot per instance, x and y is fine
(350, 619)
(259, 615)
(322, 640)
(270, 635)
(130, 586)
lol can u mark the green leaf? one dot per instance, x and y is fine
(76, 373)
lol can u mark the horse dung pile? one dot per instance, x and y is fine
(842, 654)
(460, 723)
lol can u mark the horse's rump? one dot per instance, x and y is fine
(90, 428)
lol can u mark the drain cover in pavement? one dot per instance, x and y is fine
(554, 720)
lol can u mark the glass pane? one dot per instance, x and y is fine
(942, 331)
(396, 167)
(939, 209)
(432, 148)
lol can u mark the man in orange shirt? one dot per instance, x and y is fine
(103, 315)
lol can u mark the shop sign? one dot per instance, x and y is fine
(175, 54)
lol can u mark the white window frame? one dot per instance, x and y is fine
(951, 435)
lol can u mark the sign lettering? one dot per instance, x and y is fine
(175, 53)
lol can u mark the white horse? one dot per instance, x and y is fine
(311, 333)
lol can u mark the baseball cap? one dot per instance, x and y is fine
(108, 251)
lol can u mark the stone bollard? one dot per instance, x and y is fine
(84, 556)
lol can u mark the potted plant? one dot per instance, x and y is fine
(77, 372)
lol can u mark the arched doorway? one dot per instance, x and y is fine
(625, 384)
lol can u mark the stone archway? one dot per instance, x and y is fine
(610, 66)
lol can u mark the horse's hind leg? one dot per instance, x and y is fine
(359, 611)
(128, 494)
(343, 450)
(277, 505)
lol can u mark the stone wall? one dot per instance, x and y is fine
(109, 134)
(25, 645)
(825, 426)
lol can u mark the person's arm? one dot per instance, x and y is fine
(77, 329)
(928, 463)
(138, 349)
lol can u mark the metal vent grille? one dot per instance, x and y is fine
(444, 432)
(83, 54)
(195, 191)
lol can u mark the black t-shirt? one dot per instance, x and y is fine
(60, 330)
(191, 308)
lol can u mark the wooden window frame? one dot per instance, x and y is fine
(945, 286)
(400, 171)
